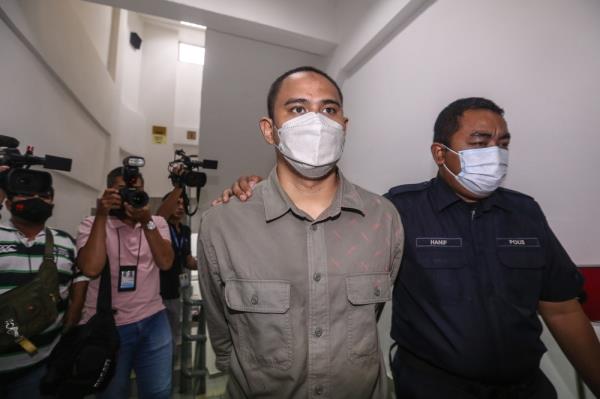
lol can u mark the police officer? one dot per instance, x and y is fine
(480, 262)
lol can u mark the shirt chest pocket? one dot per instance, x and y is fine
(260, 311)
(365, 292)
(440, 274)
(522, 271)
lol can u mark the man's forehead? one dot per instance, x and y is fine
(307, 84)
(474, 118)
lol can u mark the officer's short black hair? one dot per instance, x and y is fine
(447, 122)
(276, 85)
(116, 172)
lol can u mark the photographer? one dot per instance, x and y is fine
(22, 256)
(173, 208)
(137, 246)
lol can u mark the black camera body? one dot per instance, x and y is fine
(131, 173)
(190, 177)
(22, 180)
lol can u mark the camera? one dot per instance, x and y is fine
(131, 173)
(183, 173)
(189, 177)
(22, 180)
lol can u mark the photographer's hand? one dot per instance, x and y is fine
(141, 215)
(91, 258)
(161, 249)
(109, 200)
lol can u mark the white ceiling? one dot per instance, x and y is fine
(308, 25)
(346, 32)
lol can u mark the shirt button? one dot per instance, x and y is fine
(377, 291)
(314, 227)
(318, 390)
(317, 276)
(318, 332)
(254, 299)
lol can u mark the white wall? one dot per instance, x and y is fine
(96, 20)
(512, 52)
(537, 59)
(169, 96)
(39, 109)
(237, 76)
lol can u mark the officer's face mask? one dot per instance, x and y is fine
(312, 143)
(33, 210)
(482, 169)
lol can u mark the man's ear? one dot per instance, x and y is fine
(267, 128)
(438, 152)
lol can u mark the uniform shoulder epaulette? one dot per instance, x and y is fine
(408, 188)
(513, 192)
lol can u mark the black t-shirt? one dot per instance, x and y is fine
(471, 278)
(169, 280)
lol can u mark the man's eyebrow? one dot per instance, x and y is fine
(296, 100)
(483, 133)
(305, 101)
(479, 133)
(331, 101)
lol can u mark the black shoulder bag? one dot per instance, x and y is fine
(84, 360)
(29, 309)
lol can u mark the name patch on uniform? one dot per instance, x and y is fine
(518, 242)
(439, 242)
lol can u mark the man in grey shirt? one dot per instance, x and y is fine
(294, 278)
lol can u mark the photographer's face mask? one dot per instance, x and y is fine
(34, 210)
(482, 169)
(312, 143)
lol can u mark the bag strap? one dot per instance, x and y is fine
(48, 270)
(49, 246)
(104, 303)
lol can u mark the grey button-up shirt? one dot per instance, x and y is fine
(291, 302)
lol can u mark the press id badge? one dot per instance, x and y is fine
(127, 278)
(184, 280)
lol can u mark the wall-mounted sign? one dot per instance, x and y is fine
(191, 135)
(159, 134)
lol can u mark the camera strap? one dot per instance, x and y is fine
(187, 211)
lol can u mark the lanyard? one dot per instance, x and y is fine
(119, 246)
(179, 241)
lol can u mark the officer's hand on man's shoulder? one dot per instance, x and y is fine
(242, 189)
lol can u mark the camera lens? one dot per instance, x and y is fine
(135, 198)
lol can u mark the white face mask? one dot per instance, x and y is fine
(312, 143)
(482, 169)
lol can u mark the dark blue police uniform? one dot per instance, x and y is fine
(464, 306)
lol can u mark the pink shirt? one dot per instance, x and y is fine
(145, 300)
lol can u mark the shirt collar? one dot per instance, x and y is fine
(444, 196)
(9, 224)
(277, 203)
(496, 199)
